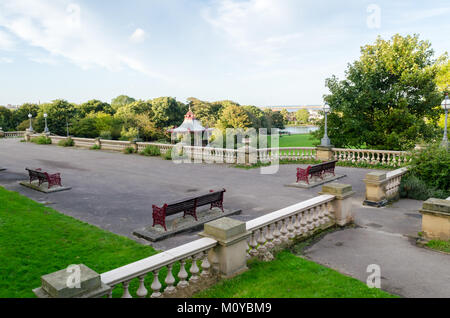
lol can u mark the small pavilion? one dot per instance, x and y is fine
(191, 126)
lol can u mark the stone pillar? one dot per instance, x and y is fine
(436, 219)
(342, 205)
(98, 142)
(77, 281)
(230, 254)
(375, 189)
(28, 135)
(2, 133)
(324, 153)
(133, 144)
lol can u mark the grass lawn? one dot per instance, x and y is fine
(443, 246)
(295, 141)
(289, 276)
(36, 240)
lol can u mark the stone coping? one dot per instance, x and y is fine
(437, 206)
(157, 261)
(180, 224)
(44, 187)
(314, 182)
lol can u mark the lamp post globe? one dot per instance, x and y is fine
(445, 106)
(30, 129)
(46, 131)
(325, 140)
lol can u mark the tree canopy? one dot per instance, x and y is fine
(388, 99)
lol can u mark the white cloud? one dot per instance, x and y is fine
(138, 36)
(6, 42)
(6, 60)
(62, 29)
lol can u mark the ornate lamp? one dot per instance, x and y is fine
(325, 140)
(445, 106)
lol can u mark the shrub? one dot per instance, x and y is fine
(68, 142)
(151, 151)
(96, 147)
(128, 150)
(413, 187)
(167, 155)
(42, 140)
(106, 134)
(432, 165)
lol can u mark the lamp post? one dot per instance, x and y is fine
(445, 105)
(46, 131)
(31, 125)
(325, 140)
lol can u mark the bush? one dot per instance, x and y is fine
(42, 140)
(96, 147)
(106, 134)
(432, 165)
(151, 151)
(68, 142)
(167, 155)
(128, 150)
(413, 187)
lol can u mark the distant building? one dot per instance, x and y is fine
(12, 107)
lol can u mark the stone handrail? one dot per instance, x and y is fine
(194, 251)
(393, 184)
(386, 157)
(301, 219)
(13, 134)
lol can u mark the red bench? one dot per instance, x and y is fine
(42, 177)
(188, 206)
(316, 171)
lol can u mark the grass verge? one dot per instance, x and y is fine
(36, 240)
(290, 276)
(442, 246)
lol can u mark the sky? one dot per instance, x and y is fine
(254, 52)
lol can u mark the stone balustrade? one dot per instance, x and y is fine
(151, 268)
(287, 153)
(436, 219)
(382, 187)
(222, 252)
(385, 157)
(13, 134)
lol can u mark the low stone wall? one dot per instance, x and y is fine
(382, 187)
(222, 252)
(436, 219)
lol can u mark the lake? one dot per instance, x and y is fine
(301, 129)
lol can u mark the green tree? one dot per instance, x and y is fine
(302, 116)
(94, 106)
(60, 112)
(233, 116)
(207, 113)
(388, 99)
(121, 100)
(167, 112)
(256, 116)
(21, 114)
(274, 119)
(6, 119)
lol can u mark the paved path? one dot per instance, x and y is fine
(386, 237)
(115, 192)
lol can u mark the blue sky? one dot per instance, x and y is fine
(257, 52)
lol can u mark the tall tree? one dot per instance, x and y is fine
(302, 116)
(388, 99)
(233, 116)
(121, 100)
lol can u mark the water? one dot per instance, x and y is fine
(301, 129)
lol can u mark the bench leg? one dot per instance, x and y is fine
(159, 216)
(217, 204)
(191, 212)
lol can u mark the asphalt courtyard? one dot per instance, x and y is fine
(115, 192)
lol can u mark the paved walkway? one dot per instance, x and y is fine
(115, 192)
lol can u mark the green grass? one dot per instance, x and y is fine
(305, 140)
(36, 240)
(443, 246)
(289, 276)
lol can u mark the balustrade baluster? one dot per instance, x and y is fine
(269, 237)
(183, 275)
(126, 292)
(290, 228)
(205, 266)
(284, 231)
(156, 285)
(194, 270)
(297, 225)
(253, 244)
(261, 241)
(170, 281)
(142, 291)
(277, 234)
